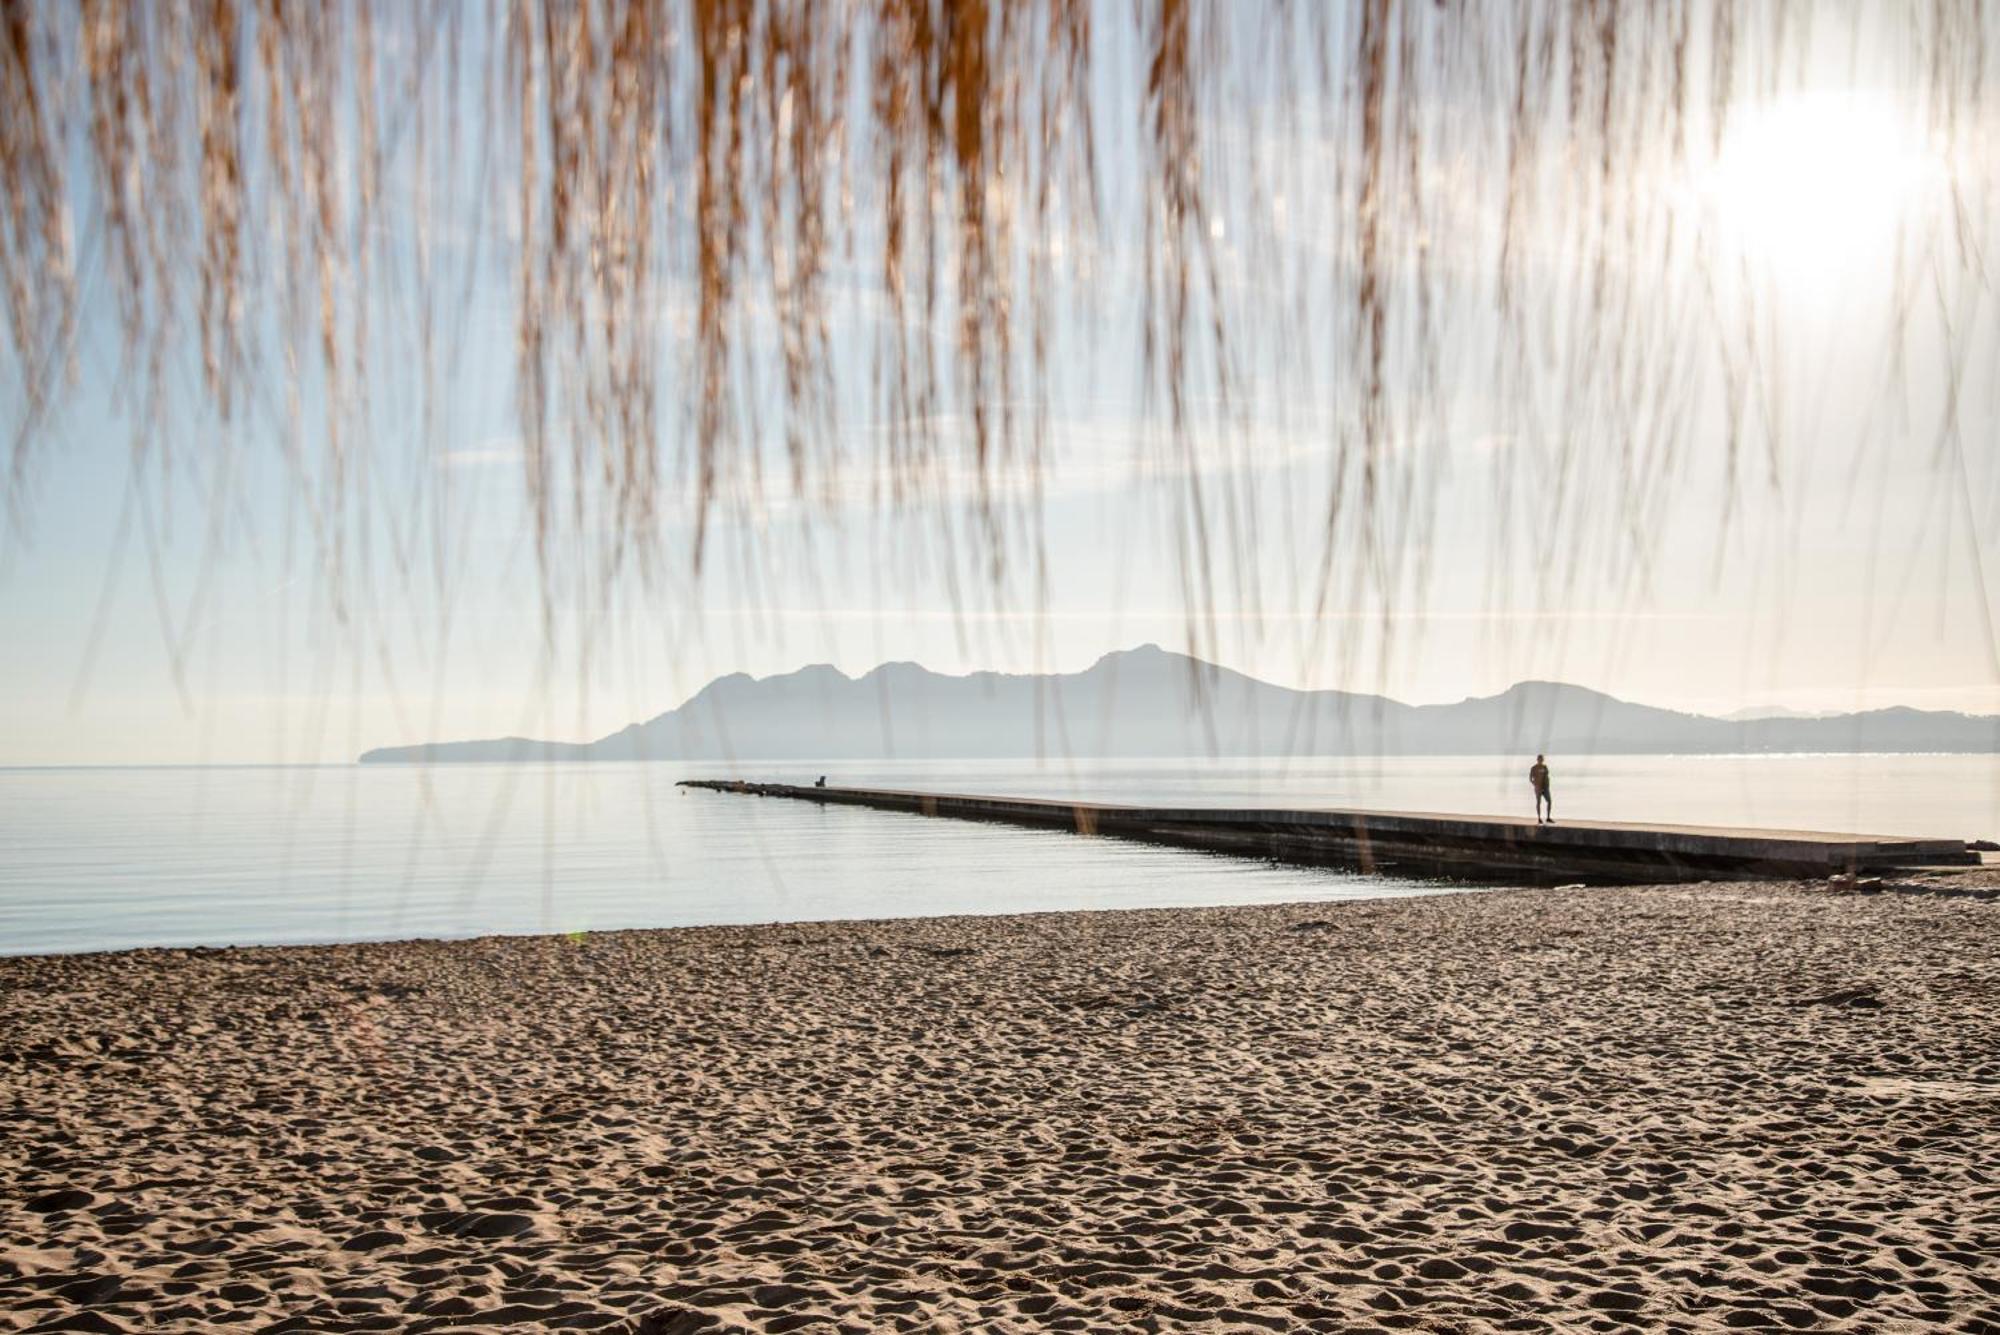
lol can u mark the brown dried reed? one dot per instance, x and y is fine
(248, 169)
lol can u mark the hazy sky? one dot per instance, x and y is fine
(1843, 567)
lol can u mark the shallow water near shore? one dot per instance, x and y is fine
(104, 859)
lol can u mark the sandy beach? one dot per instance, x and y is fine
(1705, 1107)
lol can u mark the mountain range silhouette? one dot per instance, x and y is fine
(1152, 702)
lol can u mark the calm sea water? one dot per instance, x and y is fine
(98, 859)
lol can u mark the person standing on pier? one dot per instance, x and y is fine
(1538, 779)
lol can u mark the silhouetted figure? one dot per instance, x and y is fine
(820, 782)
(1538, 779)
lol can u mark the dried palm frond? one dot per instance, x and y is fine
(695, 198)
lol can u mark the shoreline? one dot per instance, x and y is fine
(1443, 889)
(1669, 1107)
(1976, 882)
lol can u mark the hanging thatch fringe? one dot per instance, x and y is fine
(252, 174)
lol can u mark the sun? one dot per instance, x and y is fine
(1811, 192)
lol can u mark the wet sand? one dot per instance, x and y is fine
(1687, 1108)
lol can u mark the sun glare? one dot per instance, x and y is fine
(1811, 191)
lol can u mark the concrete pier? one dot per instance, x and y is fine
(1420, 844)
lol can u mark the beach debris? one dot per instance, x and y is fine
(476, 1224)
(1866, 996)
(1132, 1005)
(676, 1321)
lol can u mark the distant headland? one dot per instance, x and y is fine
(1152, 702)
